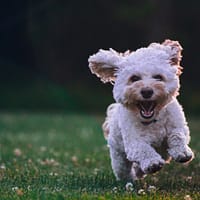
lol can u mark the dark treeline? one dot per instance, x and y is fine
(53, 38)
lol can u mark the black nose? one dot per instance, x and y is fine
(147, 93)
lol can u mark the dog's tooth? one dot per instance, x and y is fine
(147, 114)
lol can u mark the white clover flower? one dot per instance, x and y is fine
(141, 192)
(96, 170)
(151, 189)
(29, 188)
(57, 189)
(53, 174)
(17, 152)
(115, 189)
(15, 189)
(129, 187)
(74, 159)
(43, 148)
(3, 166)
(87, 160)
(187, 197)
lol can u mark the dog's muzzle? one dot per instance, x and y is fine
(146, 108)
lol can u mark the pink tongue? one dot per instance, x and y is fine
(147, 113)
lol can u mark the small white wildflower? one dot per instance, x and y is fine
(84, 190)
(45, 188)
(141, 192)
(71, 173)
(57, 189)
(50, 162)
(187, 197)
(129, 187)
(53, 174)
(189, 178)
(74, 159)
(43, 148)
(15, 188)
(115, 189)
(151, 189)
(17, 152)
(96, 170)
(87, 160)
(29, 188)
(2, 166)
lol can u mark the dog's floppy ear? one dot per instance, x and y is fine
(174, 53)
(105, 64)
(176, 50)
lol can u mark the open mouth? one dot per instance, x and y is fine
(146, 108)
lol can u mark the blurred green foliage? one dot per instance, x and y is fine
(45, 46)
(47, 96)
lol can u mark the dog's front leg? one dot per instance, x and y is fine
(144, 154)
(120, 164)
(178, 134)
(178, 146)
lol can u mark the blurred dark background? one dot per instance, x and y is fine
(45, 44)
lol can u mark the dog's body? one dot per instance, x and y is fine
(147, 125)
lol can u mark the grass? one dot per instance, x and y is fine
(64, 156)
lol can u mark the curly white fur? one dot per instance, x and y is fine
(146, 125)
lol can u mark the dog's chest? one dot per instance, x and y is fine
(154, 133)
(132, 129)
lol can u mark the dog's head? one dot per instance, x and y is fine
(145, 80)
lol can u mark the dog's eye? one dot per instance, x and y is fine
(134, 78)
(158, 77)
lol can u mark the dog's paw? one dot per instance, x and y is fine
(182, 155)
(152, 165)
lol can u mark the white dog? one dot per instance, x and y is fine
(146, 126)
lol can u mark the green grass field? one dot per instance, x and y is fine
(64, 156)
